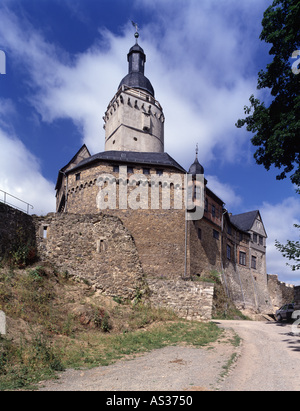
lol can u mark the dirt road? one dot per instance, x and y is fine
(268, 360)
(270, 357)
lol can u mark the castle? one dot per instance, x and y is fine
(136, 181)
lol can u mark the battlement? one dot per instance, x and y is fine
(136, 99)
(134, 121)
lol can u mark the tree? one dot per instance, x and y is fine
(291, 251)
(276, 127)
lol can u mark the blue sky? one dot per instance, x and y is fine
(65, 59)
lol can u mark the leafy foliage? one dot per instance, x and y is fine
(277, 126)
(291, 251)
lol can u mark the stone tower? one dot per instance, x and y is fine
(134, 120)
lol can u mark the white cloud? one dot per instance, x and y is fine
(198, 59)
(20, 173)
(225, 192)
(198, 62)
(279, 220)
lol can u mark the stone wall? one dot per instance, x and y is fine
(16, 230)
(246, 290)
(97, 248)
(280, 292)
(190, 299)
(160, 240)
(297, 297)
(159, 234)
(204, 251)
(100, 249)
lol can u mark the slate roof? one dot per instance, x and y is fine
(63, 170)
(135, 77)
(137, 80)
(244, 221)
(196, 168)
(131, 157)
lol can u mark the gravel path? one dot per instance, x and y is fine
(174, 368)
(267, 360)
(270, 357)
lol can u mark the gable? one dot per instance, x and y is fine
(82, 154)
(250, 221)
(258, 226)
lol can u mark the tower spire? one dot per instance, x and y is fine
(136, 34)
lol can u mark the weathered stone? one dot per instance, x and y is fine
(89, 250)
(188, 299)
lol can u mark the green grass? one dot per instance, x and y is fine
(229, 364)
(102, 349)
(22, 366)
(52, 337)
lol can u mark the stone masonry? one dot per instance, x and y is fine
(96, 248)
(99, 249)
(16, 227)
(191, 300)
(280, 292)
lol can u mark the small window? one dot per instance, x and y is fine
(130, 170)
(115, 169)
(146, 170)
(216, 234)
(253, 262)
(255, 238)
(242, 258)
(101, 245)
(77, 176)
(261, 240)
(159, 172)
(213, 210)
(229, 229)
(228, 252)
(45, 232)
(241, 236)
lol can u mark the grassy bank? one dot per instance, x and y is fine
(55, 323)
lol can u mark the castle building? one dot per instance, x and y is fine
(137, 181)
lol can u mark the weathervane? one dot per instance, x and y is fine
(136, 34)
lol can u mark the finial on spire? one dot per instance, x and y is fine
(197, 150)
(136, 34)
